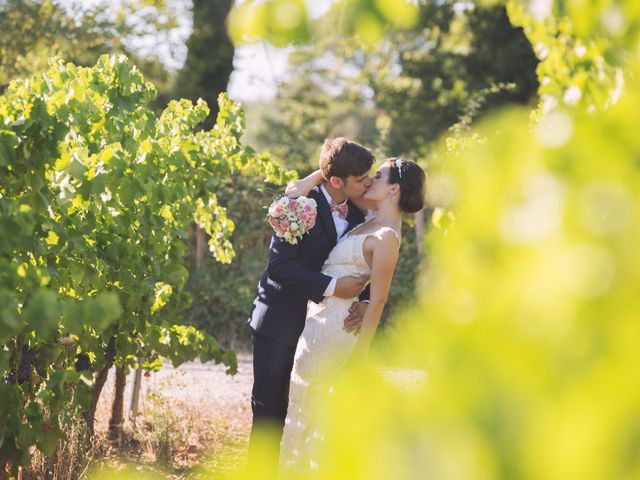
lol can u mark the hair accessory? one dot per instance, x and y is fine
(399, 166)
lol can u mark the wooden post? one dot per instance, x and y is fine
(135, 395)
(419, 216)
(201, 247)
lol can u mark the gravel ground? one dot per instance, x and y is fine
(192, 383)
(208, 411)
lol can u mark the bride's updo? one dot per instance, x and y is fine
(410, 177)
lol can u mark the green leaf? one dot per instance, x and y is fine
(8, 314)
(49, 439)
(42, 312)
(26, 437)
(105, 309)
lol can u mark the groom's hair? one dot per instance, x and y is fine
(342, 158)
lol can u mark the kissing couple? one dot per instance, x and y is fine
(320, 300)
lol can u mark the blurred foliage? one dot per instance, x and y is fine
(527, 318)
(526, 323)
(287, 21)
(293, 127)
(582, 70)
(33, 31)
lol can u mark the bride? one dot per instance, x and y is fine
(325, 347)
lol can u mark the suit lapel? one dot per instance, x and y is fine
(325, 214)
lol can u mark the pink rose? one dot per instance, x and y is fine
(312, 223)
(284, 225)
(303, 217)
(278, 210)
(293, 205)
(308, 208)
(273, 223)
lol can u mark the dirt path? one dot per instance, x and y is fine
(197, 414)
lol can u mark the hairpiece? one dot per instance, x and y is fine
(399, 167)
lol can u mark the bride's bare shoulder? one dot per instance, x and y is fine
(385, 237)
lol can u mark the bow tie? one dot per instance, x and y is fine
(341, 208)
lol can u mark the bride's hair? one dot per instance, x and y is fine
(410, 176)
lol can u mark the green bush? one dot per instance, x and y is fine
(222, 294)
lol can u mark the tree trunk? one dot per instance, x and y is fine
(90, 414)
(117, 408)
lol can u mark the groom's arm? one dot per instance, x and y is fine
(284, 268)
(364, 296)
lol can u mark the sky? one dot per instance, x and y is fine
(257, 70)
(260, 67)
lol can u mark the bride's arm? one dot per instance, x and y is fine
(303, 186)
(384, 259)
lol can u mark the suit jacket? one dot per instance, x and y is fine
(293, 276)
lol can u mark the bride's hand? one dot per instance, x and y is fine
(296, 189)
(303, 186)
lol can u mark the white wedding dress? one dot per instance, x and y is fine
(322, 352)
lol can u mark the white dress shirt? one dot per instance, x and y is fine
(341, 226)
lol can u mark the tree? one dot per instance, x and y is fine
(34, 31)
(205, 74)
(209, 57)
(412, 85)
(442, 66)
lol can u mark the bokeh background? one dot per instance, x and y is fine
(517, 288)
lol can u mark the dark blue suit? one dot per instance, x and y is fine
(291, 279)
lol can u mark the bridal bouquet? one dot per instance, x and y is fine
(292, 218)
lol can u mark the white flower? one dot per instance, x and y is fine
(284, 201)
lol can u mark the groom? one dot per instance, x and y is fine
(293, 277)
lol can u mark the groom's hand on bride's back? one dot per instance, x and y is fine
(350, 287)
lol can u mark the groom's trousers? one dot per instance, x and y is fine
(272, 365)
